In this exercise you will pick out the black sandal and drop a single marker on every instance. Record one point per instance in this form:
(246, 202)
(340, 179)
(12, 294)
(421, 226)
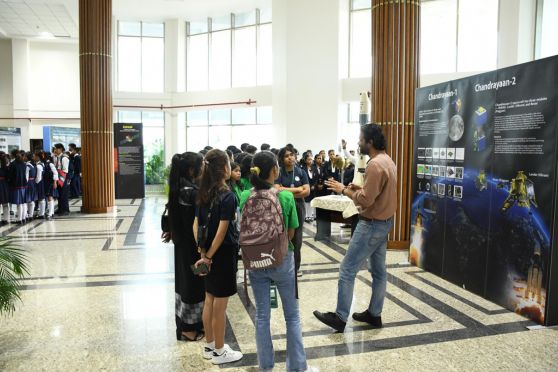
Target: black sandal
(198, 337)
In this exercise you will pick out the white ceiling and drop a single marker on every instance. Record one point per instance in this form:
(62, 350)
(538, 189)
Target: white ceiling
(30, 18)
(33, 18)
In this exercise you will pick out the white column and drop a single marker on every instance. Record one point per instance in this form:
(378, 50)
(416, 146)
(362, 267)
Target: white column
(306, 85)
(516, 32)
(174, 38)
(20, 77)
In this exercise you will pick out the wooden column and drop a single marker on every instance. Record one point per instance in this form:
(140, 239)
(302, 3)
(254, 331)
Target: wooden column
(395, 76)
(95, 63)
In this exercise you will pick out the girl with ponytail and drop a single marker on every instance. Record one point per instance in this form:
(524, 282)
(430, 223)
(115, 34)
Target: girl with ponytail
(264, 171)
(217, 235)
(188, 288)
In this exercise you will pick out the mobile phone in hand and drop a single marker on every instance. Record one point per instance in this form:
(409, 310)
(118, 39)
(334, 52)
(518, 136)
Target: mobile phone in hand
(201, 269)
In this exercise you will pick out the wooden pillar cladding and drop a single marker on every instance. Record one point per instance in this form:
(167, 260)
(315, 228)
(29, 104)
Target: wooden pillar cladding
(395, 76)
(95, 64)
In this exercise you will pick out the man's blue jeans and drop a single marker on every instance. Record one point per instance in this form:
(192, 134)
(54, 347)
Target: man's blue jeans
(284, 278)
(369, 241)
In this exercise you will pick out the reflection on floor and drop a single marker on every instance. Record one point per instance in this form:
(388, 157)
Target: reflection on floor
(100, 297)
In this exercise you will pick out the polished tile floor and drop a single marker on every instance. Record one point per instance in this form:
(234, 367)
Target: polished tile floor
(100, 297)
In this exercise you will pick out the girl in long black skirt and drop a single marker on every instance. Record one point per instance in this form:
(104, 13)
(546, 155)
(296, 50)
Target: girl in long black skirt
(189, 288)
(4, 189)
(17, 176)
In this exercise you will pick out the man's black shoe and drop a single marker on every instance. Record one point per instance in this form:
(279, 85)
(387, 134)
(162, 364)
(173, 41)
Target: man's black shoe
(331, 319)
(366, 317)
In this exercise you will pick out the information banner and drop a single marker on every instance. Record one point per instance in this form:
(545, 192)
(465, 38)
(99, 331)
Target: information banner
(484, 187)
(10, 139)
(128, 161)
(64, 135)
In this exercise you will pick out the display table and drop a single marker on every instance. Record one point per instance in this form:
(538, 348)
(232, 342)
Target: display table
(333, 208)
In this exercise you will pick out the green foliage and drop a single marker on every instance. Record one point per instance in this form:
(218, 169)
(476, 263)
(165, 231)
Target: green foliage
(166, 175)
(13, 267)
(155, 166)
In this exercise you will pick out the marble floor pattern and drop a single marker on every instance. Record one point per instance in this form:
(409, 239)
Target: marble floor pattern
(100, 298)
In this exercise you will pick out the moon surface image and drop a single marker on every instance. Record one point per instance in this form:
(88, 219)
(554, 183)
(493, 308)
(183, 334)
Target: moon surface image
(456, 128)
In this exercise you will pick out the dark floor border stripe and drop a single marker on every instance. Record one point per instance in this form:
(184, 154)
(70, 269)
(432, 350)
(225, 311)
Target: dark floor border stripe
(97, 275)
(320, 251)
(107, 244)
(106, 283)
(132, 232)
(393, 343)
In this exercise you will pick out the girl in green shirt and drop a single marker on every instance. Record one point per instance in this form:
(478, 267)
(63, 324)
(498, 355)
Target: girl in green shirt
(234, 182)
(265, 171)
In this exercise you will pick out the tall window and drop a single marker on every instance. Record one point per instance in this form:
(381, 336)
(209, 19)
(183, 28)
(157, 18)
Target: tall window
(141, 57)
(360, 34)
(458, 36)
(153, 141)
(220, 128)
(547, 29)
(350, 125)
(229, 51)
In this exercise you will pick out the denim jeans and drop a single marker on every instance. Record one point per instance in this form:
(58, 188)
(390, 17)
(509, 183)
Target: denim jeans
(284, 278)
(369, 241)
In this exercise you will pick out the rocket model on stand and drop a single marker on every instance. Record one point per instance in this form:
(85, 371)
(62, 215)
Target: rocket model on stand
(363, 119)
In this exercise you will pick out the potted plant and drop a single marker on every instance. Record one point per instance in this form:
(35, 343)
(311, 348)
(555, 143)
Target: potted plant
(13, 267)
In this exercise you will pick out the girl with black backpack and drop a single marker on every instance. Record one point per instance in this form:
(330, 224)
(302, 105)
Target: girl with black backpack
(217, 236)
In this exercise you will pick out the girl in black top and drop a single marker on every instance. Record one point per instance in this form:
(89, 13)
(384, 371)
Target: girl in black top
(307, 165)
(17, 178)
(217, 235)
(188, 288)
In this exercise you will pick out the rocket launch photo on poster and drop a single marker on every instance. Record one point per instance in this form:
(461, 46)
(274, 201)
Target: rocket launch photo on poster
(484, 185)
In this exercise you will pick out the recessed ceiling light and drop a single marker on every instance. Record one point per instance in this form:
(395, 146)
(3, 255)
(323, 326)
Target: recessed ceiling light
(46, 35)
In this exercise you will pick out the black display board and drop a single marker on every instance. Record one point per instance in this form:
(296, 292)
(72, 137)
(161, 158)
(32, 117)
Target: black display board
(484, 186)
(128, 161)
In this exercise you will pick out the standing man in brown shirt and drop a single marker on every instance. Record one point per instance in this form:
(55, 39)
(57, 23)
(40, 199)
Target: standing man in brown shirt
(376, 201)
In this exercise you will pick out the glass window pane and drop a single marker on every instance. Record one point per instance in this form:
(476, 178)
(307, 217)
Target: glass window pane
(221, 23)
(129, 28)
(197, 118)
(196, 138)
(436, 16)
(198, 27)
(361, 44)
(265, 64)
(244, 57)
(361, 4)
(129, 116)
(129, 64)
(245, 115)
(220, 70)
(153, 64)
(245, 19)
(549, 29)
(265, 15)
(264, 115)
(153, 118)
(354, 112)
(478, 35)
(197, 63)
(220, 137)
(257, 134)
(153, 29)
(220, 117)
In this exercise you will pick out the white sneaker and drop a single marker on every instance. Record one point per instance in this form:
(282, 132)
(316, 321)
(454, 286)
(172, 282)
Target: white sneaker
(208, 352)
(312, 369)
(228, 356)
